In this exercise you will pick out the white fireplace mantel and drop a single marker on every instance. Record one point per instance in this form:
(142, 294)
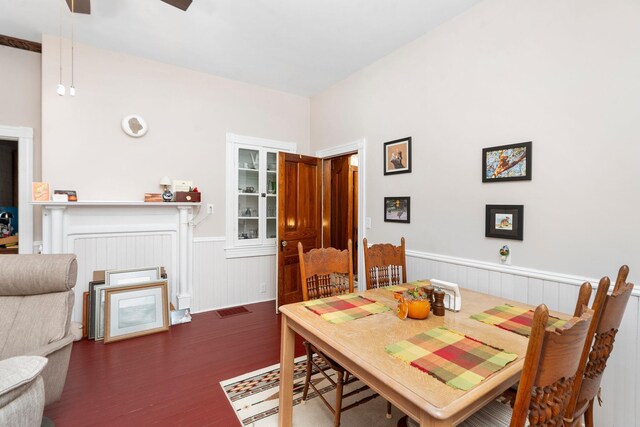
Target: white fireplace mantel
(68, 226)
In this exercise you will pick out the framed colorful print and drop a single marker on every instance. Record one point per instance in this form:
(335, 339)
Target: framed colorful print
(504, 221)
(507, 163)
(397, 156)
(397, 209)
(135, 310)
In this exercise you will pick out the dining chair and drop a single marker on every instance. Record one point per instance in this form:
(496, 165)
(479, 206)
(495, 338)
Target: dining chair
(385, 264)
(608, 312)
(324, 273)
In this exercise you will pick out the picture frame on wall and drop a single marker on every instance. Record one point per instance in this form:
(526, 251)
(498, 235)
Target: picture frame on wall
(504, 221)
(397, 156)
(507, 163)
(397, 209)
(136, 310)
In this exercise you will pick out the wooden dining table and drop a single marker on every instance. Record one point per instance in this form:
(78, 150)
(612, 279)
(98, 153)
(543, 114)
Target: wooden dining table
(359, 346)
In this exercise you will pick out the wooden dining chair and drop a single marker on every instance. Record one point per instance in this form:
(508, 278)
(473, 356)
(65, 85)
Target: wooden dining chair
(324, 273)
(550, 367)
(608, 312)
(385, 264)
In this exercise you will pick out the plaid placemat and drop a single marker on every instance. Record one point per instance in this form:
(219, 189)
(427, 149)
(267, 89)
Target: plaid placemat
(342, 308)
(453, 358)
(406, 286)
(514, 319)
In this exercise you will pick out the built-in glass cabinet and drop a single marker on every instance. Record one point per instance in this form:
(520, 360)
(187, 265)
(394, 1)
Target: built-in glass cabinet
(254, 195)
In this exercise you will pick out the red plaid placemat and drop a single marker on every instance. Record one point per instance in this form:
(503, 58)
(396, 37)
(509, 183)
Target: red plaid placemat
(514, 319)
(455, 359)
(343, 308)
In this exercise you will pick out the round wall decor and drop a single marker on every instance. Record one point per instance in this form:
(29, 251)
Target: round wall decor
(134, 125)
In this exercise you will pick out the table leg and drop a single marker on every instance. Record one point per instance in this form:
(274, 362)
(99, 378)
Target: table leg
(287, 346)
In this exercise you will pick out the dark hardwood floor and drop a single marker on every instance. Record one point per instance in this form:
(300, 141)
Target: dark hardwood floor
(168, 378)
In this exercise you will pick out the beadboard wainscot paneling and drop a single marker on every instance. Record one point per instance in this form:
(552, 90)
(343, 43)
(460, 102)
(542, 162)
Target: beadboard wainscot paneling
(219, 282)
(621, 382)
(122, 251)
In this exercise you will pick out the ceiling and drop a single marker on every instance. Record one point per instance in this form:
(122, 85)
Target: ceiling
(297, 46)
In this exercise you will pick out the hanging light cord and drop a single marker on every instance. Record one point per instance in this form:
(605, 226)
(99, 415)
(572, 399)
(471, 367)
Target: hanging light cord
(72, 39)
(61, 43)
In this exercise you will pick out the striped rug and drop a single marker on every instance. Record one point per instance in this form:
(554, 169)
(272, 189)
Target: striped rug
(254, 398)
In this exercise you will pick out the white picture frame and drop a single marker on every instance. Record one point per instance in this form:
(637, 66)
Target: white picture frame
(136, 310)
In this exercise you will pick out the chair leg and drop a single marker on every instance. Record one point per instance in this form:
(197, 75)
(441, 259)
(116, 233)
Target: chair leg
(588, 415)
(338, 408)
(389, 416)
(308, 377)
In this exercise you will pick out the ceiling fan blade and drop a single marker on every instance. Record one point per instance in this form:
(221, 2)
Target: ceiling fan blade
(80, 6)
(180, 4)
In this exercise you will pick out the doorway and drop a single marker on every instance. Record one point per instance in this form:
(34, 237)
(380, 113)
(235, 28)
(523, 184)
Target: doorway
(340, 204)
(9, 197)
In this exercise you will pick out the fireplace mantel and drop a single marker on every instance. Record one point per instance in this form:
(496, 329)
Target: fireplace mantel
(133, 229)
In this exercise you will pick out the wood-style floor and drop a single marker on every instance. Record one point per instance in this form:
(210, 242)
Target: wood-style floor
(168, 378)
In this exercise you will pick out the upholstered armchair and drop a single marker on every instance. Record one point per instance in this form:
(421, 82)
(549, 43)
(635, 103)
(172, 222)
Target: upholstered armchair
(21, 391)
(36, 299)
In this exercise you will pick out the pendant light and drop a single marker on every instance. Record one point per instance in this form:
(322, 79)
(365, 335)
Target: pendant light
(72, 89)
(60, 89)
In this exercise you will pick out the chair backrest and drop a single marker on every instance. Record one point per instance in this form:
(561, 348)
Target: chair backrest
(608, 312)
(384, 264)
(550, 367)
(325, 272)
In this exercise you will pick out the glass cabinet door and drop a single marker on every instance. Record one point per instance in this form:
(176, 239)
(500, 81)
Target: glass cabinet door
(271, 195)
(249, 195)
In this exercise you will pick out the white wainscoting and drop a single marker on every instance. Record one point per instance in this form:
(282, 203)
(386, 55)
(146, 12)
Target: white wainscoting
(226, 282)
(121, 251)
(621, 382)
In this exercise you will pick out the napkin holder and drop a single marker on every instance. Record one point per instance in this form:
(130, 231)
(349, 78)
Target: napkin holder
(452, 298)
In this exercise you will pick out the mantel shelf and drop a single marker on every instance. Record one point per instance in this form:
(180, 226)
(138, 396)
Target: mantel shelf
(93, 203)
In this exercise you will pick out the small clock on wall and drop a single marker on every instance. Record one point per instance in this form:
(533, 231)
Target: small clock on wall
(134, 125)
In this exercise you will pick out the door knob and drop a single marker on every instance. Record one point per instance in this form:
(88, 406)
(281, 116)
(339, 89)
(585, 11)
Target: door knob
(284, 243)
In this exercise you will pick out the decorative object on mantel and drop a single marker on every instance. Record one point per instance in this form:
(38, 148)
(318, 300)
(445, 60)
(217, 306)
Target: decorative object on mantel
(135, 126)
(193, 195)
(397, 209)
(152, 197)
(507, 163)
(397, 156)
(167, 195)
(40, 191)
(504, 221)
(72, 196)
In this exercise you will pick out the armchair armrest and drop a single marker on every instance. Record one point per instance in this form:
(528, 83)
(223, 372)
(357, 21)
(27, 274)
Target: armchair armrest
(51, 348)
(16, 372)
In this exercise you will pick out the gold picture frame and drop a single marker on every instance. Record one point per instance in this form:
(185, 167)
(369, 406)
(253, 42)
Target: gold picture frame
(136, 310)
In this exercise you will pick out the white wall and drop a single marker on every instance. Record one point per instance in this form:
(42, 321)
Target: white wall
(188, 114)
(561, 74)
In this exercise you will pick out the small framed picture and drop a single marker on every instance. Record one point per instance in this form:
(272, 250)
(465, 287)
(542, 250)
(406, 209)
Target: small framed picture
(131, 276)
(397, 209)
(504, 221)
(507, 163)
(132, 311)
(180, 316)
(397, 156)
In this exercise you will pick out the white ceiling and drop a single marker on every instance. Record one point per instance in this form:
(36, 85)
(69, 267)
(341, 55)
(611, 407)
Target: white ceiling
(297, 46)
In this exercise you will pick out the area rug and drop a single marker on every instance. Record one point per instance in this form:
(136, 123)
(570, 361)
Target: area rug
(254, 398)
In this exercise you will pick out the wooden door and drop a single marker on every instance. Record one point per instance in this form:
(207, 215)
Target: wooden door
(354, 216)
(299, 218)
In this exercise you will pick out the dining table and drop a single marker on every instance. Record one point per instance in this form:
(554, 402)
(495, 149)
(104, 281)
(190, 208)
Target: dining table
(361, 346)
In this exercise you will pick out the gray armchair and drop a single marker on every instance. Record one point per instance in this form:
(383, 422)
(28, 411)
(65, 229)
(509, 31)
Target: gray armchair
(21, 391)
(36, 300)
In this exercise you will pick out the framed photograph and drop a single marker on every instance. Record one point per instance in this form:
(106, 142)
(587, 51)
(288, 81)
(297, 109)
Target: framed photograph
(507, 163)
(131, 276)
(91, 315)
(397, 156)
(72, 196)
(397, 209)
(135, 310)
(504, 221)
(180, 316)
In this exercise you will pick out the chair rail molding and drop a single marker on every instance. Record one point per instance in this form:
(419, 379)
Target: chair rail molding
(114, 235)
